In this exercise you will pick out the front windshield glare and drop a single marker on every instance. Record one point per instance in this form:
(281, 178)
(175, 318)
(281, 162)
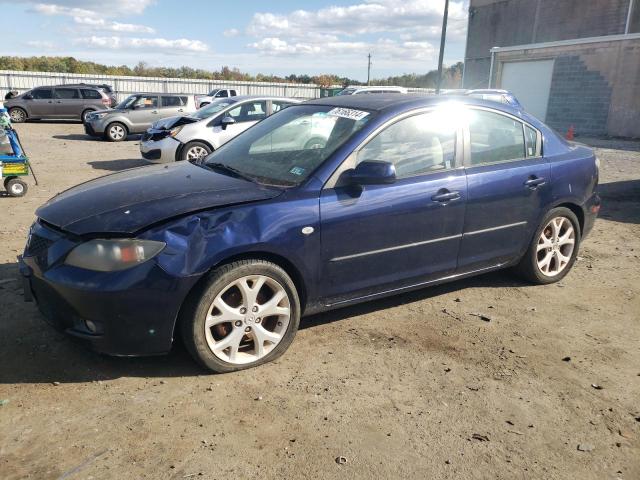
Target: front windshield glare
(211, 109)
(287, 147)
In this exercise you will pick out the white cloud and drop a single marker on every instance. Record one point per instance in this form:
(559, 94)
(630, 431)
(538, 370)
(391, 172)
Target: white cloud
(407, 31)
(232, 32)
(113, 8)
(165, 45)
(41, 44)
(102, 24)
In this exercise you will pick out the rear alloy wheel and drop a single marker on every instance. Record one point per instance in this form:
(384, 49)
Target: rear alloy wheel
(553, 249)
(116, 132)
(195, 151)
(16, 187)
(17, 115)
(246, 315)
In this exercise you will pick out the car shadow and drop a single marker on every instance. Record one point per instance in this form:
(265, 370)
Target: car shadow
(33, 352)
(86, 137)
(118, 165)
(620, 201)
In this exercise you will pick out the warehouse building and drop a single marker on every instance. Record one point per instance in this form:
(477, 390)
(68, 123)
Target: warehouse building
(570, 62)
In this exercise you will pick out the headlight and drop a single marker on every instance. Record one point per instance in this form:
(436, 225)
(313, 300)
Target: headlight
(113, 255)
(97, 116)
(175, 131)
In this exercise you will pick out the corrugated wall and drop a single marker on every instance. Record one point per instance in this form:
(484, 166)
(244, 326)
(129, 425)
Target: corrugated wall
(23, 81)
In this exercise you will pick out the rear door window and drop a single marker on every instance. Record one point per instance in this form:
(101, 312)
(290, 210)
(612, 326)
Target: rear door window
(67, 93)
(276, 106)
(91, 94)
(42, 94)
(495, 137)
(173, 101)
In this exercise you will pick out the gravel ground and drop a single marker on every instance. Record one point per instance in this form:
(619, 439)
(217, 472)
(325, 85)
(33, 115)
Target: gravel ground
(412, 386)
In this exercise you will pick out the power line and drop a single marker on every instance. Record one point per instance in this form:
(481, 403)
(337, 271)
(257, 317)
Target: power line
(442, 39)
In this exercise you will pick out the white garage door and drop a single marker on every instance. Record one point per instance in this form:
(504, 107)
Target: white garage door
(530, 83)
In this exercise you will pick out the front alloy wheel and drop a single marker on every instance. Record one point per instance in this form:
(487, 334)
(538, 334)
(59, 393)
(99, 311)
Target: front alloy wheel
(247, 314)
(116, 132)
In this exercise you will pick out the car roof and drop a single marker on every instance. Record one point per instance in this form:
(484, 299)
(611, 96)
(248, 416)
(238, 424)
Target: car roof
(388, 102)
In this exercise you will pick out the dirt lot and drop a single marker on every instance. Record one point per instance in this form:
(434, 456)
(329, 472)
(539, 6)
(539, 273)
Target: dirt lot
(409, 387)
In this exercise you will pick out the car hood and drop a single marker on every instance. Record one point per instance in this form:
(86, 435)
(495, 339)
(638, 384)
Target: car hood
(129, 201)
(172, 122)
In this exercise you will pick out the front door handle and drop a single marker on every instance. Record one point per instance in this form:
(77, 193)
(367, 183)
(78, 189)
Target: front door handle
(444, 196)
(534, 182)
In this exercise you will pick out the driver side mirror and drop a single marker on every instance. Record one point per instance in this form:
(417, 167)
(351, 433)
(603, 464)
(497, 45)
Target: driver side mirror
(373, 172)
(226, 121)
(28, 96)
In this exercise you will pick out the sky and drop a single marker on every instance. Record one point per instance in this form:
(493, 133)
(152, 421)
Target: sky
(278, 37)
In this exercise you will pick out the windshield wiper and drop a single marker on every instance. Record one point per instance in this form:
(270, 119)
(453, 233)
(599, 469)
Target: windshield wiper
(234, 171)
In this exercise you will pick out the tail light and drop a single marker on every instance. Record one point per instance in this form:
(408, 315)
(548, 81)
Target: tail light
(106, 101)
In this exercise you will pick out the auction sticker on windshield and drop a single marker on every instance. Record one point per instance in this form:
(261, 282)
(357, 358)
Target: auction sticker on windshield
(348, 113)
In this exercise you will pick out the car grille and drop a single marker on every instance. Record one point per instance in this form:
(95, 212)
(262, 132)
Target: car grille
(38, 246)
(154, 135)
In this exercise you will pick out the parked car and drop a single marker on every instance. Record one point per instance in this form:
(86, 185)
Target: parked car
(107, 89)
(229, 252)
(366, 90)
(136, 113)
(59, 102)
(494, 95)
(204, 100)
(197, 135)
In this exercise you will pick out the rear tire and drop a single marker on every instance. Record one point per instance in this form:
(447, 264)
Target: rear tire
(18, 115)
(16, 187)
(115, 132)
(226, 324)
(195, 151)
(553, 249)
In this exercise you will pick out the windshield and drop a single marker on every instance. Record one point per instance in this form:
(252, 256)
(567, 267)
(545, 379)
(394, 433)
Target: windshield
(127, 102)
(213, 108)
(285, 148)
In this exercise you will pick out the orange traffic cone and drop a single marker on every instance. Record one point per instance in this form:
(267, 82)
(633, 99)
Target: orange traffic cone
(570, 133)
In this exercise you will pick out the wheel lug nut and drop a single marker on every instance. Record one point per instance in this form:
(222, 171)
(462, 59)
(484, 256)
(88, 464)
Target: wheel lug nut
(255, 309)
(258, 320)
(279, 324)
(243, 310)
(238, 323)
(248, 329)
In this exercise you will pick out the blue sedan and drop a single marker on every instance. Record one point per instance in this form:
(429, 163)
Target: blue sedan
(324, 204)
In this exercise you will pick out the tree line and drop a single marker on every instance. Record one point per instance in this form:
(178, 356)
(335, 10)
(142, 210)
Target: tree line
(452, 76)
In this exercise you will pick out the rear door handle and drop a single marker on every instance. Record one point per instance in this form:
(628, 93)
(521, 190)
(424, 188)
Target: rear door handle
(446, 196)
(534, 182)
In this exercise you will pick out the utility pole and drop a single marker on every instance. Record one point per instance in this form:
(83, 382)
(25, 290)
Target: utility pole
(369, 69)
(442, 39)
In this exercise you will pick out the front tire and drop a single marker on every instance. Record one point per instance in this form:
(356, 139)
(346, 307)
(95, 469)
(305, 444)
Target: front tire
(246, 314)
(83, 117)
(18, 115)
(195, 151)
(16, 187)
(115, 132)
(554, 248)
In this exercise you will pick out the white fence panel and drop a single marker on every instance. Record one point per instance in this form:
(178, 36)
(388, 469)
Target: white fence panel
(124, 86)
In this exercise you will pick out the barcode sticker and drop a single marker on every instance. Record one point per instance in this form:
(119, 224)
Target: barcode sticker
(348, 113)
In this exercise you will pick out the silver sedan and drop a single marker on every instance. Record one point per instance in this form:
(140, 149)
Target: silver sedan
(197, 135)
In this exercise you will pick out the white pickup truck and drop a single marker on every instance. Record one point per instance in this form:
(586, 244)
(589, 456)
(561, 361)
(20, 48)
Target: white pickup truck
(203, 100)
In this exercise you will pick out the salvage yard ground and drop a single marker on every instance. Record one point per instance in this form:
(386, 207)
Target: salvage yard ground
(546, 385)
